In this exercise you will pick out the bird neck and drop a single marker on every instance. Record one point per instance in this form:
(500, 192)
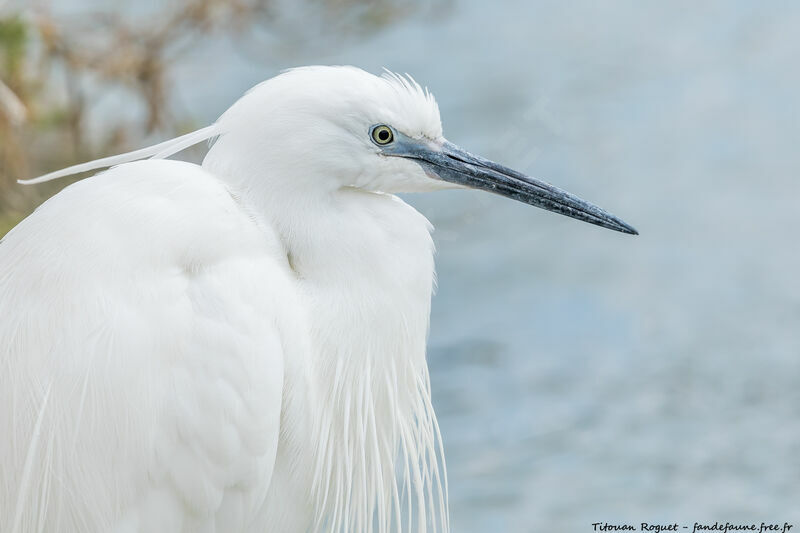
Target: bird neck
(364, 268)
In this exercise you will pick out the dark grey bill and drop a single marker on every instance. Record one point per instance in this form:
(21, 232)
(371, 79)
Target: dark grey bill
(450, 163)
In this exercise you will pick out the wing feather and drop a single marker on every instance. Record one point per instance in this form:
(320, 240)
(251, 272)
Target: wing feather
(141, 356)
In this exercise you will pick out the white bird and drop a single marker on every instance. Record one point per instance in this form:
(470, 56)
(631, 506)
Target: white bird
(240, 345)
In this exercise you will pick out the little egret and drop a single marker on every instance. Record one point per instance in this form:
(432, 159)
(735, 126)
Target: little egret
(240, 345)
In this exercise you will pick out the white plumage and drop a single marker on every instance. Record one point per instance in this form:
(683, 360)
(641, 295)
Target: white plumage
(239, 346)
(178, 348)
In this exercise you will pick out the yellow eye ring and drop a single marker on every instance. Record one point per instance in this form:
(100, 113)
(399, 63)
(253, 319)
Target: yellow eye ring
(382, 135)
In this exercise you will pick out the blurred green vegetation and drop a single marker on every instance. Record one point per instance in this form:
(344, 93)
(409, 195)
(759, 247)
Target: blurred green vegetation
(46, 60)
(13, 38)
(6, 223)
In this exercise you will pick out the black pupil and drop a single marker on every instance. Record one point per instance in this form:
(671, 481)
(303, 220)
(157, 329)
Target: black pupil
(383, 135)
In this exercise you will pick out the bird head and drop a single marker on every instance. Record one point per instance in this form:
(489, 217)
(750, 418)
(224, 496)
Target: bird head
(314, 130)
(333, 127)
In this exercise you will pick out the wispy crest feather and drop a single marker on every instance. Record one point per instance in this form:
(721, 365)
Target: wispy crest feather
(412, 95)
(161, 150)
(408, 83)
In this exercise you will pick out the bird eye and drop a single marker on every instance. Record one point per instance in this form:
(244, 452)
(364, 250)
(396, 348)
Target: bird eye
(382, 134)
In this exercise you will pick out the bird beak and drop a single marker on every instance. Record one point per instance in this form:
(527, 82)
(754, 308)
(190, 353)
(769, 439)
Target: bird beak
(446, 161)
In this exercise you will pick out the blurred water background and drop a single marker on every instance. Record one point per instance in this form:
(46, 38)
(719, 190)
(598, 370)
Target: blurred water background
(581, 375)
